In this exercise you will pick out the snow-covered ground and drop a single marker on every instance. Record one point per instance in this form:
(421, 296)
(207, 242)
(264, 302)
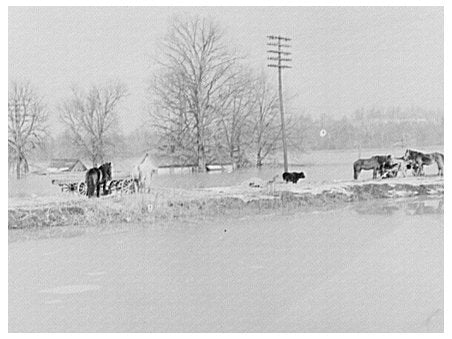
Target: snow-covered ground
(251, 186)
(252, 195)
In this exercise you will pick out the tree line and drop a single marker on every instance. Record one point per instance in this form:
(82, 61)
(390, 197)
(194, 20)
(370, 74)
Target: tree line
(205, 106)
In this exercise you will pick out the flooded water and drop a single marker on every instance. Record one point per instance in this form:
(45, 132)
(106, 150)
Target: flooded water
(319, 167)
(374, 267)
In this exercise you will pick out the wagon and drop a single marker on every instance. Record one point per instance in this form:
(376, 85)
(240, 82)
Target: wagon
(125, 185)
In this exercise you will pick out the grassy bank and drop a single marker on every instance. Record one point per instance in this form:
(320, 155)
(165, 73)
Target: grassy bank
(243, 199)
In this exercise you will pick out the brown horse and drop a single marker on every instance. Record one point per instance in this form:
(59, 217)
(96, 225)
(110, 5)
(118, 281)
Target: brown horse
(420, 159)
(375, 163)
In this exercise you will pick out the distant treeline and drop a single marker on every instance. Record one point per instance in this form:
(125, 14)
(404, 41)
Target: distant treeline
(372, 128)
(365, 128)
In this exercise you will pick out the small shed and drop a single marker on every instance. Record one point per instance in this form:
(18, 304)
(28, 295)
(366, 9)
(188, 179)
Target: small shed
(169, 164)
(66, 165)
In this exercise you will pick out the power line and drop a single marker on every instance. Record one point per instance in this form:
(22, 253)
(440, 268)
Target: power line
(276, 40)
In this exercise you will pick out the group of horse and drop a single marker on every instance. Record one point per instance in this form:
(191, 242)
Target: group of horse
(97, 177)
(388, 166)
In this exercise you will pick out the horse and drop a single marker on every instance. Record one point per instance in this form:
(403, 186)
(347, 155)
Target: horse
(143, 173)
(405, 165)
(397, 165)
(420, 159)
(375, 163)
(391, 170)
(97, 176)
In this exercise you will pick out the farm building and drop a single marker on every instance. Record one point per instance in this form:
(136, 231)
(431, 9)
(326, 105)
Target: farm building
(168, 164)
(66, 165)
(187, 169)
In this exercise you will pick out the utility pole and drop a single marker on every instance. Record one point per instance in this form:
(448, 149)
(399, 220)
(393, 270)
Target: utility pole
(277, 41)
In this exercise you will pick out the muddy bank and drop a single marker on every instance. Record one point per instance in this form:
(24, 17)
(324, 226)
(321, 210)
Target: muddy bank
(253, 196)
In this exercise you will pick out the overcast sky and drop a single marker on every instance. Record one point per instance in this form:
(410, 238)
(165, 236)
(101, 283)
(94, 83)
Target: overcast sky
(344, 58)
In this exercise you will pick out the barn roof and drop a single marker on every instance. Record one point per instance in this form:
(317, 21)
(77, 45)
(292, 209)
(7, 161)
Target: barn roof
(68, 164)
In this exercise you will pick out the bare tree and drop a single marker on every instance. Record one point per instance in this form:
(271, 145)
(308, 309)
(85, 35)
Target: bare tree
(91, 118)
(195, 67)
(267, 127)
(26, 125)
(235, 120)
(174, 124)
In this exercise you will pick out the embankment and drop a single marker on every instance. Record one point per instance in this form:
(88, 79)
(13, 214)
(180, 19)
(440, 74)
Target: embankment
(253, 196)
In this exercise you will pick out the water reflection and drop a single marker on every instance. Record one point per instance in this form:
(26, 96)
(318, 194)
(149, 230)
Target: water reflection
(410, 207)
(426, 207)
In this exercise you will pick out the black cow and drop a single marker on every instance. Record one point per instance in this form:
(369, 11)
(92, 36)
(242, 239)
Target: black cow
(292, 176)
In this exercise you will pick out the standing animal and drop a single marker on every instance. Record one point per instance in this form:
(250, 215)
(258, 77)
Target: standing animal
(420, 159)
(271, 184)
(293, 176)
(390, 170)
(375, 163)
(95, 177)
(406, 165)
(143, 173)
(398, 165)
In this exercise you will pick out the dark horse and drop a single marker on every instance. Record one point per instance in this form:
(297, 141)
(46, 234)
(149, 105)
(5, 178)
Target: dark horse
(96, 177)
